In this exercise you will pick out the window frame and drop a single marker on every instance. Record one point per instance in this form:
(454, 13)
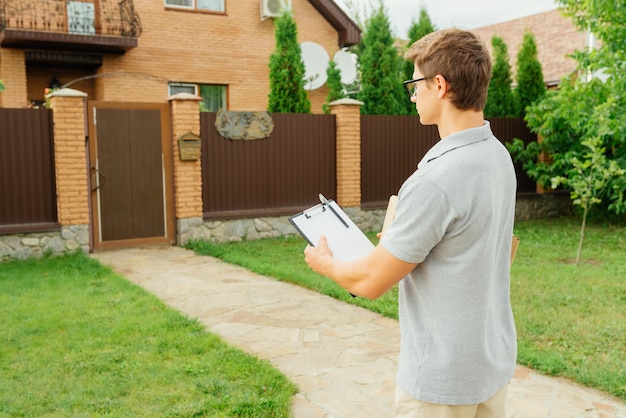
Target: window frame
(197, 90)
(194, 8)
(170, 85)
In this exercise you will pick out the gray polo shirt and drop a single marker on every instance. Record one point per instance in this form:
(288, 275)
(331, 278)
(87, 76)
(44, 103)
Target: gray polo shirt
(455, 218)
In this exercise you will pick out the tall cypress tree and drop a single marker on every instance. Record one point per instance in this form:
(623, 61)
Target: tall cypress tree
(501, 97)
(287, 93)
(418, 29)
(335, 87)
(381, 85)
(530, 85)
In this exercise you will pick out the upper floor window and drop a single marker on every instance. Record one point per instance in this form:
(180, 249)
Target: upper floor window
(209, 5)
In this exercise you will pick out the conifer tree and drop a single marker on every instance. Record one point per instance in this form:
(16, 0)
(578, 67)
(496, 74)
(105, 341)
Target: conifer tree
(501, 99)
(335, 87)
(418, 29)
(381, 89)
(530, 85)
(287, 93)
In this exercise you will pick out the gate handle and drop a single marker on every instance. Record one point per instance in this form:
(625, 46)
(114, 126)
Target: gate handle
(99, 181)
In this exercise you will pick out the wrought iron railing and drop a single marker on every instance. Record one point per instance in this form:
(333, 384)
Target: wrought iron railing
(111, 17)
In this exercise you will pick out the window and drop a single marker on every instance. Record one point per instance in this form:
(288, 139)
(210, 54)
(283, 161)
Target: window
(213, 95)
(175, 88)
(211, 5)
(80, 17)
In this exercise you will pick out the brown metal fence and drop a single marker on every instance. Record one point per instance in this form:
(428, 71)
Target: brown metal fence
(274, 176)
(281, 174)
(391, 147)
(27, 184)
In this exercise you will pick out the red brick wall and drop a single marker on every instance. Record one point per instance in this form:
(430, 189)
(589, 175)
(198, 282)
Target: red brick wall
(69, 155)
(13, 75)
(205, 48)
(187, 174)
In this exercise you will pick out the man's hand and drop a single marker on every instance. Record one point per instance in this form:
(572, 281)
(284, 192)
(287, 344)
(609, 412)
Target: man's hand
(319, 258)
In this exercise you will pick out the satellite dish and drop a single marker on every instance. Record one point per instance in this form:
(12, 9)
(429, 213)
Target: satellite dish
(345, 62)
(315, 63)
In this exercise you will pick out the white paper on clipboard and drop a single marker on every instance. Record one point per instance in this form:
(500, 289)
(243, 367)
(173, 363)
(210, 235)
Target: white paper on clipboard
(345, 239)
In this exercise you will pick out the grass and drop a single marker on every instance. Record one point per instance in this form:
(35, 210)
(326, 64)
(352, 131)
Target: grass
(571, 320)
(78, 340)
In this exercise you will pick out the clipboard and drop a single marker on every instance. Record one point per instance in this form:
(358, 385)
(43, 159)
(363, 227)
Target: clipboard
(345, 239)
(390, 214)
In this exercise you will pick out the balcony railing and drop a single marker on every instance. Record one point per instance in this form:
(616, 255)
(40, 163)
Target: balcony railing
(28, 22)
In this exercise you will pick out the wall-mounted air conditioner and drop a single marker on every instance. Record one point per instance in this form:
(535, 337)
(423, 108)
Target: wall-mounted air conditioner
(274, 8)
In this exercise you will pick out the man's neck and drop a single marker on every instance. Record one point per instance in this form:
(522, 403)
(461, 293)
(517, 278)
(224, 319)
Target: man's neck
(454, 120)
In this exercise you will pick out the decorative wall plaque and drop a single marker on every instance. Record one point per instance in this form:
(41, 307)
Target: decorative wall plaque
(244, 125)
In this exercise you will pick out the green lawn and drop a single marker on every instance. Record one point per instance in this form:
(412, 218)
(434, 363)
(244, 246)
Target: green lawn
(77, 340)
(571, 319)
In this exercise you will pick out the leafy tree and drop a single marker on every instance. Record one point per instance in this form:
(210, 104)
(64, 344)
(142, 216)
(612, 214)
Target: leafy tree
(1, 86)
(417, 30)
(530, 85)
(287, 93)
(500, 98)
(379, 62)
(587, 179)
(335, 87)
(583, 123)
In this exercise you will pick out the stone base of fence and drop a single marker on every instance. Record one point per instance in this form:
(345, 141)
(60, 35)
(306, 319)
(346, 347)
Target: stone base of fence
(537, 206)
(36, 245)
(76, 237)
(528, 207)
(191, 229)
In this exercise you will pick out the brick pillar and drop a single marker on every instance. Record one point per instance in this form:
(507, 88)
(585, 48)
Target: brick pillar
(13, 75)
(70, 156)
(348, 120)
(185, 112)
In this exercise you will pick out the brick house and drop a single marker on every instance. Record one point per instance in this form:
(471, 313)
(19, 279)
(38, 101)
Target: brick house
(555, 36)
(104, 167)
(147, 50)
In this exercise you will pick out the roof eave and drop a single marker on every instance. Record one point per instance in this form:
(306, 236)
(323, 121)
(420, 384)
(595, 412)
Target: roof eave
(348, 31)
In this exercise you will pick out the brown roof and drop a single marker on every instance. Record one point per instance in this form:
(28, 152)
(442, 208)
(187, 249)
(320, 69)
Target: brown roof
(555, 36)
(349, 32)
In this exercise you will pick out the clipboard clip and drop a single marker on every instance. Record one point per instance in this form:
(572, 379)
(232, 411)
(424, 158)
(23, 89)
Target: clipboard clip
(309, 213)
(325, 203)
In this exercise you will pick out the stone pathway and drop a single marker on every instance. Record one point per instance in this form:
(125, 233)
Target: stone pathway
(342, 357)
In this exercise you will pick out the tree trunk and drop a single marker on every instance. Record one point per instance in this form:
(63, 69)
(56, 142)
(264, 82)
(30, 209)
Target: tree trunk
(582, 234)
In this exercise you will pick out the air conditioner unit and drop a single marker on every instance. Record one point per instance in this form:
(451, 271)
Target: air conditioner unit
(274, 8)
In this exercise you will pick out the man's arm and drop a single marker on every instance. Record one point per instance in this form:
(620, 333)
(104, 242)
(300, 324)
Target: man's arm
(369, 277)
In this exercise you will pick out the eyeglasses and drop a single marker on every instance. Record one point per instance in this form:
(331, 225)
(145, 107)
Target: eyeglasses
(411, 85)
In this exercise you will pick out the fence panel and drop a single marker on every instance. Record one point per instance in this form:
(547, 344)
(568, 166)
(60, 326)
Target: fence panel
(392, 146)
(281, 174)
(27, 183)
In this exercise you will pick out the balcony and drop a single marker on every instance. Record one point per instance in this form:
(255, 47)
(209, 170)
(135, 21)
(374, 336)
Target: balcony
(97, 26)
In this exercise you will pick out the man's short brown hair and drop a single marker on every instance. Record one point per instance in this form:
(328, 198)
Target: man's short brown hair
(461, 58)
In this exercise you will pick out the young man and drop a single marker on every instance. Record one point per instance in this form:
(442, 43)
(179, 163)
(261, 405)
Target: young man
(449, 245)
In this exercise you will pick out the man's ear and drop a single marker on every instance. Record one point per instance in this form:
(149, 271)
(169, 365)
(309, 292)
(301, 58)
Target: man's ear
(442, 86)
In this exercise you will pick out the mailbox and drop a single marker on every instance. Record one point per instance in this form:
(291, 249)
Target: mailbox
(189, 146)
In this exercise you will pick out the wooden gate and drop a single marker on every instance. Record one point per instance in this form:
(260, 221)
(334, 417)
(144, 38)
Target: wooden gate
(131, 174)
